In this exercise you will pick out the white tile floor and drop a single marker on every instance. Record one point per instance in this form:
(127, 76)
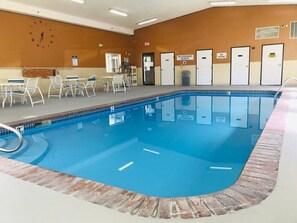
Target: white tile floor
(24, 202)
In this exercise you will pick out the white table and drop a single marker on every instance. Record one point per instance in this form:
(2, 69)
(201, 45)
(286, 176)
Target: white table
(73, 83)
(107, 80)
(8, 88)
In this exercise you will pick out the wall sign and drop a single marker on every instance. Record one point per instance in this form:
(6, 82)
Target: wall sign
(272, 55)
(146, 43)
(185, 57)
(221, 55)
(74, 61)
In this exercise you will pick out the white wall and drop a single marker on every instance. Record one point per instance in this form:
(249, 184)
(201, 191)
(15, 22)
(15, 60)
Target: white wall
(221, 73)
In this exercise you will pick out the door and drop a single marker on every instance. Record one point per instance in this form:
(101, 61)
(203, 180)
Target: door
(148, 68)
(204, 67)
(240, 65)
(272, 64)
(167, 69)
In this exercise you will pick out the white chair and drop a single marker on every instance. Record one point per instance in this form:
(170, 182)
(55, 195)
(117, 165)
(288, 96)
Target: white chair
(30, 89)
(118, 83)
(91, 84)
(57, 85)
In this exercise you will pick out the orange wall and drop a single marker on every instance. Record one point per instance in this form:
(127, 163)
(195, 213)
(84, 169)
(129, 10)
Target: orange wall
(18, 49)
(216, 28)
(219, 29)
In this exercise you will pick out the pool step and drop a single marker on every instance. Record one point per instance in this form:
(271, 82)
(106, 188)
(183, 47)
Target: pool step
(33, 149)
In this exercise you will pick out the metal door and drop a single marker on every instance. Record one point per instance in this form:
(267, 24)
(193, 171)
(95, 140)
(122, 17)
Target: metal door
(204, 67)
(148, 68)
(240, 65)
(272, 64)
(167, 69)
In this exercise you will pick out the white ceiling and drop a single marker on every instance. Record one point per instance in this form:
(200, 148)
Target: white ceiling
(95, 13)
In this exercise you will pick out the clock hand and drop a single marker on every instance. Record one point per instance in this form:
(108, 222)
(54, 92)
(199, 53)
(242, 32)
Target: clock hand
(41, 36)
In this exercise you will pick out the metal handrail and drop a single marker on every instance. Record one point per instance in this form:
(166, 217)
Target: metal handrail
(281, 87)
(19, 136)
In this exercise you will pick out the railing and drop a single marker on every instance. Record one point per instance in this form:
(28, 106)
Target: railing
(19, 136)
(281, 87)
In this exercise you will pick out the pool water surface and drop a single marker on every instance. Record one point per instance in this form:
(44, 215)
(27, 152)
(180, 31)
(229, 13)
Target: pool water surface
(181, 145)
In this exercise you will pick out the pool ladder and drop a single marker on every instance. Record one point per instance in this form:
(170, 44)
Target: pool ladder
(281, 87)
(19, 135)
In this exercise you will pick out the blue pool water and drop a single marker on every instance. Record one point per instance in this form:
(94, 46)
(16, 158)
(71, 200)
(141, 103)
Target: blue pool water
(181, 145)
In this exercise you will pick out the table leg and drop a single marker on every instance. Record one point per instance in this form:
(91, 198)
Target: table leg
(5, 97)
(107, 85)
(10, 92)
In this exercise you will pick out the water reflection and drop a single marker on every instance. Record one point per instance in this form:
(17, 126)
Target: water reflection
(235, 111)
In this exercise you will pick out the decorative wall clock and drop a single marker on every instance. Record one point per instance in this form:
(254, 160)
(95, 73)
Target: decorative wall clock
(41, 34)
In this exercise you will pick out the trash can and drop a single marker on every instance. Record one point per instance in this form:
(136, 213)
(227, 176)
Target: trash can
(186, 77)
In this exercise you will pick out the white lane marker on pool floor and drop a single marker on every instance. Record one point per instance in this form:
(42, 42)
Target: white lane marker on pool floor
(220, 168)
(125, 166)
(151, 151)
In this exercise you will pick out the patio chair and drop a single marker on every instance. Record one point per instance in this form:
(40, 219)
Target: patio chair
(57, 85)
(29, 90)
(91, 84)
(118, 83)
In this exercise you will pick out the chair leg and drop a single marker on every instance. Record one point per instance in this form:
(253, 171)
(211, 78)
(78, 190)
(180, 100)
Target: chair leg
(24, 99)
(60, 92)
(124, 86)
(87, 93)
(94, 92)
(41, 95)
(49, 91)
(32, 104)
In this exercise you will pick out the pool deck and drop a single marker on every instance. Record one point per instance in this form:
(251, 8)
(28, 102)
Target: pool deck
(265, 192)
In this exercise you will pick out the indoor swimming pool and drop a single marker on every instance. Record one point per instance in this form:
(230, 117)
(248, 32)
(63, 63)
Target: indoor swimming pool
(184, 144)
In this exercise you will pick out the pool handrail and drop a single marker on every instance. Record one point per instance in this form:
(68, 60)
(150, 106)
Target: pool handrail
(281, 87)
(19, 135)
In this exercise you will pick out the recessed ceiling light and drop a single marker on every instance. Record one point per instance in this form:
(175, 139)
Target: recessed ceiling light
(222, 3)
(118, 12)
(147, 21)
(79, 1)
(283, 1)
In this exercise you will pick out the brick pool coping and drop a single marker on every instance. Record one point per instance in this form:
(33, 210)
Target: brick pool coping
(255, 183)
